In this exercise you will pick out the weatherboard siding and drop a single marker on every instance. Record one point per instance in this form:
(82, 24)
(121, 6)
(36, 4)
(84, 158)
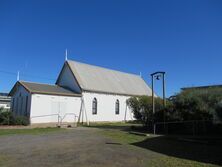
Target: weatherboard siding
(45, 108)
(106, 107)
(21, 102)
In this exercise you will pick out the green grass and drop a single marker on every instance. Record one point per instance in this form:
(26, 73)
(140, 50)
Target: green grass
(3, 159)
(168, 161)
(159, 148)
(111, 124)
(122, 136)
(34, 131)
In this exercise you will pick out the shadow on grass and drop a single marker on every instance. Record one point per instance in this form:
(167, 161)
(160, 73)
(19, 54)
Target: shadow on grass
(121, 126)
(110, 127)
(112, 143)
(206, 153)
(205, 150)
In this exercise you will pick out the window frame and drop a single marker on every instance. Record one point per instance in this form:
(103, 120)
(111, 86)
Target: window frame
(94, 106)
(117, 107)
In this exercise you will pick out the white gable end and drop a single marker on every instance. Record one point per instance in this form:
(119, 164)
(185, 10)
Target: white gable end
(67, 80)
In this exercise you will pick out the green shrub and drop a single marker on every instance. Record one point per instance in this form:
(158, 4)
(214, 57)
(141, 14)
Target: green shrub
(190, 104)
(7, 118)
(143, 110)
(199, 104)
(218, 109)
(21, 120)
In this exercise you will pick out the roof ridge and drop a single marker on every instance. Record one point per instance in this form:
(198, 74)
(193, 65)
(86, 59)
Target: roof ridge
(42, 88)
(38, 83)
(106, 68)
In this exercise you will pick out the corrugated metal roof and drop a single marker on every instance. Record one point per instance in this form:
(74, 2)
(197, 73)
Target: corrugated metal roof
(94, 78)
(47, 89)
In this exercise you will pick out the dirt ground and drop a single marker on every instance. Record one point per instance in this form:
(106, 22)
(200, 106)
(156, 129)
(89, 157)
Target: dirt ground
(83, 147)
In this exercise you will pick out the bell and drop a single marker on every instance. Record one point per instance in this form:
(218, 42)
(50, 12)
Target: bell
(157, 77)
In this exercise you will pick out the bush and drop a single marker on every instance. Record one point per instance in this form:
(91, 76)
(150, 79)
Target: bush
(218, 109)
(190, 104)
(7, 118)
(20, 120)
(199, 104)
(143, 110)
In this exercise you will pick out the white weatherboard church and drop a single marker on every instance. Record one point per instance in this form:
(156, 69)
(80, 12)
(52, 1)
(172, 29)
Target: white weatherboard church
(82, 93)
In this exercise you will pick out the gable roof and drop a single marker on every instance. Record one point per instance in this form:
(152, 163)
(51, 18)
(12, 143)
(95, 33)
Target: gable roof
(43, 89)
(97, 79)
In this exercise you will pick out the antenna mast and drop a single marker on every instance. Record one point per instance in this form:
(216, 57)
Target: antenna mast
(66, 55)
(18, 76)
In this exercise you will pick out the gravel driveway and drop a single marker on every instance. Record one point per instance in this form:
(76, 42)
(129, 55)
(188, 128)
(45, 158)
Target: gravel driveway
(83, 147)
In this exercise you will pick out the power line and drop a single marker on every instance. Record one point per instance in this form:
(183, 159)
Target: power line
(26, 75)
(34, 76)
(7, 72)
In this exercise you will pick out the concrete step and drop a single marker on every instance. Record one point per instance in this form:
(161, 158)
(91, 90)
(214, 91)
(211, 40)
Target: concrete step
(67, 125)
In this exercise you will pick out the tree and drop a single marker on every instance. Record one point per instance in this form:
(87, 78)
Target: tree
(7, 118)
(190, 104)
(143, 110)
(219, 110)
(198, 104)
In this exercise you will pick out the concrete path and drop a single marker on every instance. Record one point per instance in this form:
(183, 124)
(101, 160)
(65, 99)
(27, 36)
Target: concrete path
(82, 147)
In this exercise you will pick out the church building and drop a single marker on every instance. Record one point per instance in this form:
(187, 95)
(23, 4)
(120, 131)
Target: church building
(82, 92)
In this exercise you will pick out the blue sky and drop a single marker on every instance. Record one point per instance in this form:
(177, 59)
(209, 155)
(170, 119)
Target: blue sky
(183, 38)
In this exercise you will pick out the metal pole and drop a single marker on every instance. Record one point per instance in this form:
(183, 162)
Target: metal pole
(164, 91)
(153, 101)
(158, 74)
(154, 129)
(82, 117)
(164, 102)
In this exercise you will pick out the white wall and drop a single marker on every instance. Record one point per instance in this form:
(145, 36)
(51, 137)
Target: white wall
(4, 105)
(20, 103)
(106, 107)
(43, 106)
(68, 81)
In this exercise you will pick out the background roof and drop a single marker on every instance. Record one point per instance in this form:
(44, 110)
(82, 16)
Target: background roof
(45, 89)
(94, 78)
(202, 87)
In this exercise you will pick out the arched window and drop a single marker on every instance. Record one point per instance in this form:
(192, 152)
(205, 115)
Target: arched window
(94, 106)
(117, 107)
